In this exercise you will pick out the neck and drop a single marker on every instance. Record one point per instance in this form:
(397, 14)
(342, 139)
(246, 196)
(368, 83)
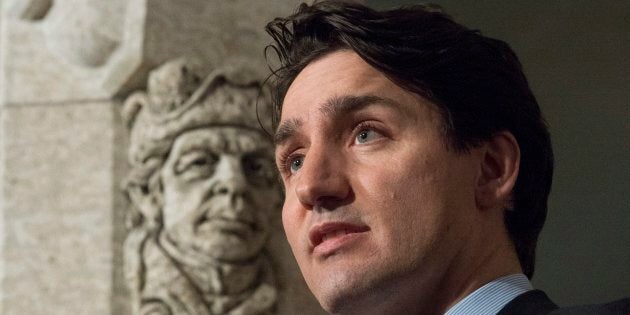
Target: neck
(489, 256)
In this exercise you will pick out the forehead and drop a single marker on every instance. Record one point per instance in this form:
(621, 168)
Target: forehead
(339, 74)
(231, 140)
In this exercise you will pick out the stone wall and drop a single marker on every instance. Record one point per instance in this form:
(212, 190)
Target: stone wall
(66, 68)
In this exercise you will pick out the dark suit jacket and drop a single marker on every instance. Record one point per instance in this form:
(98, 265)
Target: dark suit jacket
(536, 302)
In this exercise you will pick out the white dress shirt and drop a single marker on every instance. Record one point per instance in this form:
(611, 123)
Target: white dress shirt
(493, 296)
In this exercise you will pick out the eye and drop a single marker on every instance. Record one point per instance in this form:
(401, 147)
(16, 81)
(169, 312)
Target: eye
(290, 162)
(366, 135)
(296, 163)
(202, 161)
(197, 162)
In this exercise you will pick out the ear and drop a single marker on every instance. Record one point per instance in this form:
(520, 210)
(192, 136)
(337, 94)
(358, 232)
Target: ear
(498, 172)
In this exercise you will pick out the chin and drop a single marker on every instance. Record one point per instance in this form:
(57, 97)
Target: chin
(346, 293)
(348, 301)
(229, 248)
(364, 290)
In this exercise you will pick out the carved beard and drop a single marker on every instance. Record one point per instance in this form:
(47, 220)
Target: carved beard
(213, 276)
(218, 288)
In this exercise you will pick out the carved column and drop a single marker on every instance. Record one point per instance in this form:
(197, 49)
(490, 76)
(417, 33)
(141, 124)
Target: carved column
(66, 68)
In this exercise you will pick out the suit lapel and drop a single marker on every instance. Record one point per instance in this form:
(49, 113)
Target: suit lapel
(531, 303)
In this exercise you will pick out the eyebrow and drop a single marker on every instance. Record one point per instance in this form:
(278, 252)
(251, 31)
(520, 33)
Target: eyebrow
(286, 130)
(333, 107)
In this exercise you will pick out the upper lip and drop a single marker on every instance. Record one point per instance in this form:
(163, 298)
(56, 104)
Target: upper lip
(317, 232)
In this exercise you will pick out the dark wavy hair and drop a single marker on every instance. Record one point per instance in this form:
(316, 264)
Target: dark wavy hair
(476, 81)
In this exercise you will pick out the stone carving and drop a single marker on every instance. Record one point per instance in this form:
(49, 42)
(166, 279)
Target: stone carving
(81, 32)
(84, 32)
(203, 192)
(30, 10)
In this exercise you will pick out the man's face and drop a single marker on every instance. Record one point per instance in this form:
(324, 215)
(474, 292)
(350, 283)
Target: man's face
(220, 192)
(376, 205)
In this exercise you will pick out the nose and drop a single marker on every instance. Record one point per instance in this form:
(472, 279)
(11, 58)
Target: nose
(229, 177)
(322, 183)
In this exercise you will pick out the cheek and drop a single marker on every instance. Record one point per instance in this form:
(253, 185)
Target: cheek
(182, 199)
(406, 196)
(177, 211)
(291, 222)
(185, 197)
(396, 182)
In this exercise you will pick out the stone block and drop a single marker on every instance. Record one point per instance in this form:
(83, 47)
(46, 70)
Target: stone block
(58, 194)
(68, 49)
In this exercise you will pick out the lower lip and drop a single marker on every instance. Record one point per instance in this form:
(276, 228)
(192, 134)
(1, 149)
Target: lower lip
(333, 245)
(233, 227)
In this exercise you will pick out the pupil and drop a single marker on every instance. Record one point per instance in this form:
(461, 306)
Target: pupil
(297, 164)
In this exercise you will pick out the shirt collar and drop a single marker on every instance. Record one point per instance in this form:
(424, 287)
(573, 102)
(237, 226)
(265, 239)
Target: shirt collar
(493, 296)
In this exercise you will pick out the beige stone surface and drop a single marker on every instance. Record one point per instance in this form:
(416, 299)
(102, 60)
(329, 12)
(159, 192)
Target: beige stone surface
(77, 50)
(58, 193)
(96, 49)
(217, 32)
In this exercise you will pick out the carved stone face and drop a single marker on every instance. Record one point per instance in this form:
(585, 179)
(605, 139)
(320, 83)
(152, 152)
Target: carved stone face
(219, 192)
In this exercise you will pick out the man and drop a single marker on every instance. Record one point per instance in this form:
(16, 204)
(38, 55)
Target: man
(204, 194)
(415, 162)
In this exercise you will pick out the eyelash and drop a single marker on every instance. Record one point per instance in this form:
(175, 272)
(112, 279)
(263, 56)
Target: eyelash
(285, 162)
(286, 159)
(364, 125)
